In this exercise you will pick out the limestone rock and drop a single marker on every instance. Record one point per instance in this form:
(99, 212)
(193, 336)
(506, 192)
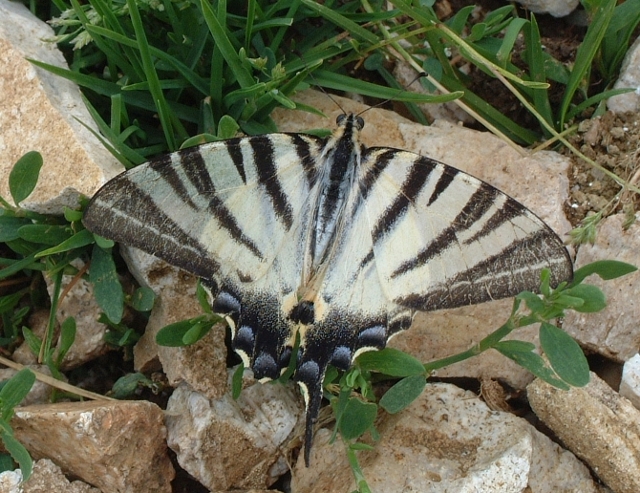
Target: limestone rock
(556, 8)
(447, 440)
(42, 112)
(228, 444)
(629, 77)
(202, 365)
(40, 392)
(117, 446)
(439, 334)
(612, 332)
(597, 425)
(47, 478)
(630, 384)
(80, 303)
(11, 481)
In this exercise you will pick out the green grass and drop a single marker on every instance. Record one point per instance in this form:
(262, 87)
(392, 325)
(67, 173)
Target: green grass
(158, 76)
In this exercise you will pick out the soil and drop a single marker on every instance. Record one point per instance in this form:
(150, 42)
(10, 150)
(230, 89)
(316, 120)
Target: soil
(609, 140)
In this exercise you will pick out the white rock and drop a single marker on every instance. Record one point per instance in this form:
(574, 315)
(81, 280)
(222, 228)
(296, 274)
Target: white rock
(48, 477)
(598, 425)
(556, 8)
(448, 440)
(439, 334)
(40, 392)
(630, 384)
(227, 444)
(117, 446)
(80, 303)
(202, 365)
(42, 112)
(612, 332)
(11, 481)
(629, 77)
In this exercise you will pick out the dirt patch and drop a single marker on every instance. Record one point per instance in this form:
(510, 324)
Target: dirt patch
(611, 141)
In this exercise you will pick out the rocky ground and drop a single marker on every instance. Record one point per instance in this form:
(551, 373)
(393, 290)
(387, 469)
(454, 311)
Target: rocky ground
(190, 436)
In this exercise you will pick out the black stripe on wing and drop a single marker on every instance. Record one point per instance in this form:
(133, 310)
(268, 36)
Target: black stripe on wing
(415, 180)
(308, 156)
(235, 153)
(124, 213)
(501, 275)
(264, 157)
(477, 205)
(197, 172)
(169, 173)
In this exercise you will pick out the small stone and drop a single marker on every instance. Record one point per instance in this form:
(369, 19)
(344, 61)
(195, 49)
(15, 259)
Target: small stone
(202, 365)
(629, 78)
(630, 384)
(226, 443)
(617, 132)
(80, 303)
(40, 392)
(47, 478)
(612, 332)
(592, 130)
(556, 8)
(11, 482)
(117, 446)
(596, 424)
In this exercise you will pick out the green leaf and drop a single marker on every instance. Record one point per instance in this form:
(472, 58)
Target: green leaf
(592, 297)
(67, 338)
(103, 242)
(197, 332)
(143, 299)
(227, 127)
(32, 340)
(606, 269)
(44, 234)
(174, 335)
(107, 288)
(403, 393)
(203, 298)
(17, 451)
(78, 240)
(24, 176)
(9, 302)
(357, 418)
(9, 227)
(391, 362)
(236, 381)
(127, 385)
(72, 215)
(14, 391)
(531, 361)
(533, 301)
(565, 355)
(6, 463)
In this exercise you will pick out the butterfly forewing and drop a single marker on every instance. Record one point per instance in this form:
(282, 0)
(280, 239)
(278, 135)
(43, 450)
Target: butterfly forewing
(325, 238)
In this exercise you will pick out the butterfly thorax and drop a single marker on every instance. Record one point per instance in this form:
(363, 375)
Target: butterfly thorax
(342, 157)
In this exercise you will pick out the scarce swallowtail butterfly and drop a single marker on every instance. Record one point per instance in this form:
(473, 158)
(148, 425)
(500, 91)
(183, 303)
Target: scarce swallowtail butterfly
(325, 238)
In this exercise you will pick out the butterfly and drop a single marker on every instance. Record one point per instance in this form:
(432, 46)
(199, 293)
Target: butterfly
(327, 240)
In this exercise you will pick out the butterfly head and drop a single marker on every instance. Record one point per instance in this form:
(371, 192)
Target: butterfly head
(350, 120)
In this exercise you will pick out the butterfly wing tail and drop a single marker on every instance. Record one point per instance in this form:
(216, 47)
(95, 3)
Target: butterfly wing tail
(310, 377)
